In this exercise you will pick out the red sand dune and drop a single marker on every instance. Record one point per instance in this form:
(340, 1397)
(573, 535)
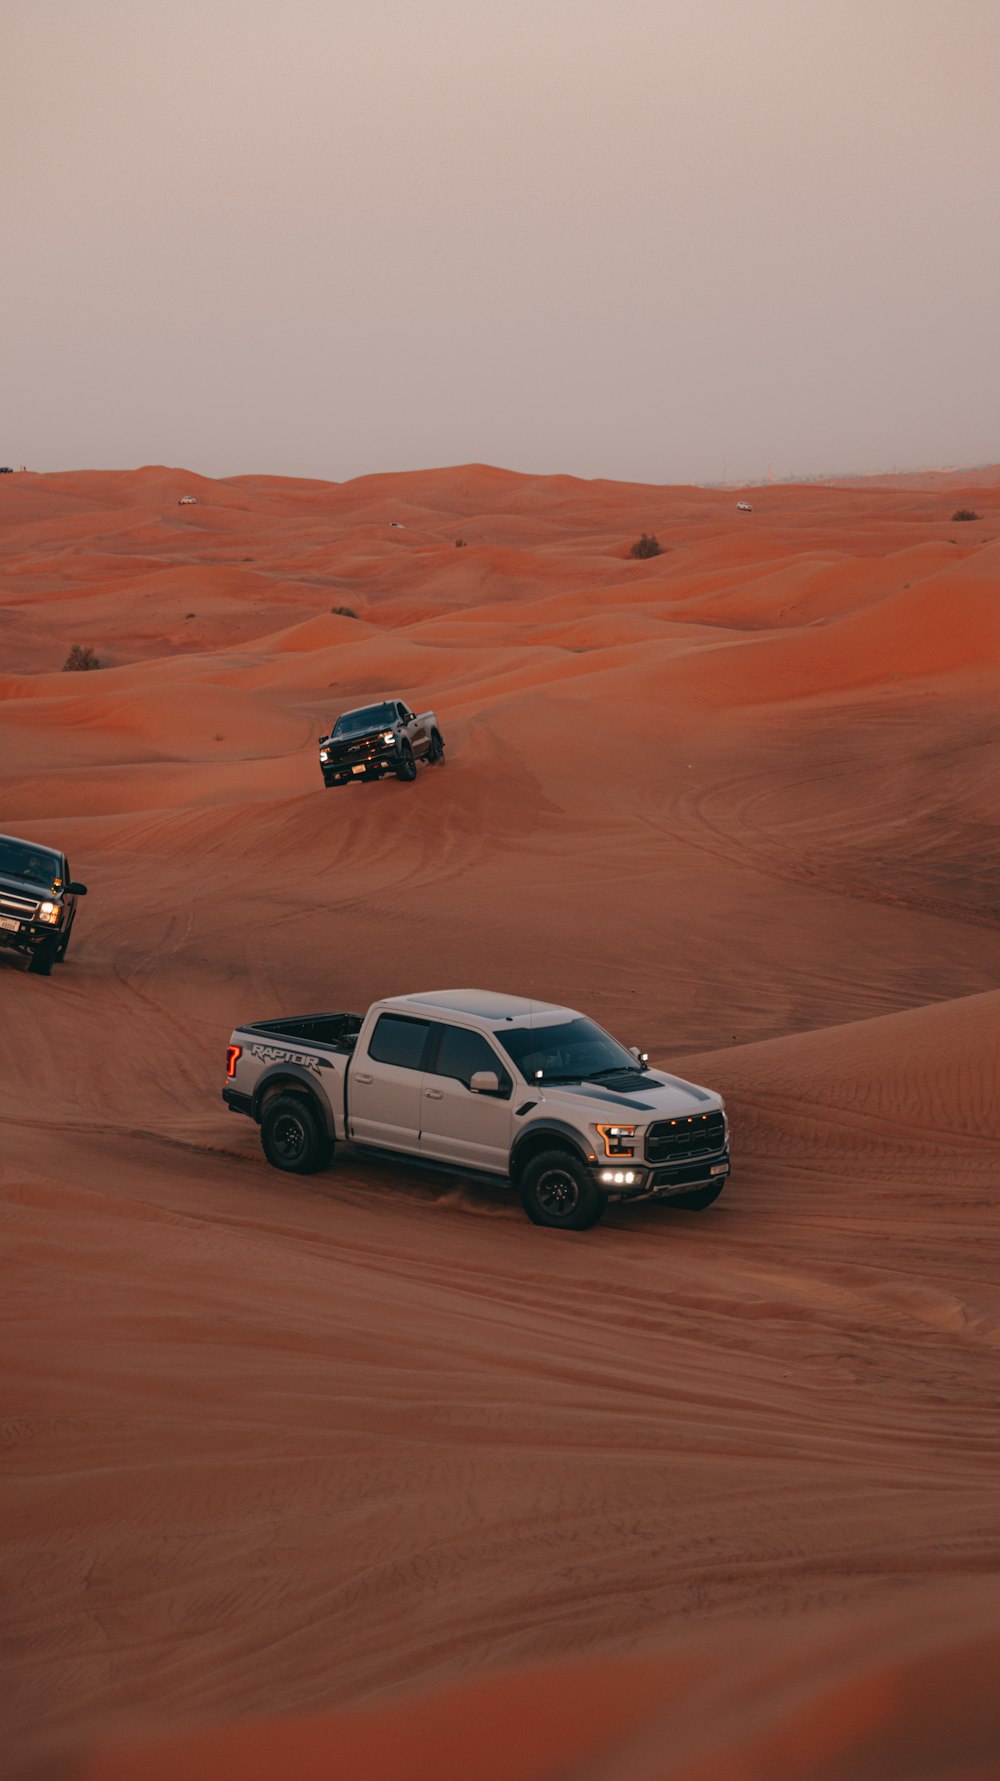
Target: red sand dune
(364, 1474)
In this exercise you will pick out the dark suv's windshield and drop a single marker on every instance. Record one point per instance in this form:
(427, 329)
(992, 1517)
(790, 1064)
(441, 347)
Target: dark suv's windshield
(370, 717)
(20, 860)
(571, 1051)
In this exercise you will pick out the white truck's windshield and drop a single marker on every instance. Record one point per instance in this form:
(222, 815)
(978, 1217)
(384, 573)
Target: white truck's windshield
(569, 1051)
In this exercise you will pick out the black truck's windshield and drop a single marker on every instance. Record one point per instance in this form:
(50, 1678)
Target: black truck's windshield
(370, 717)
(20, 860)
(569, 1051)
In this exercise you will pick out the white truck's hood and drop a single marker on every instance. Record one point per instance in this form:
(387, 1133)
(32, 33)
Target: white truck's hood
(662, 1097)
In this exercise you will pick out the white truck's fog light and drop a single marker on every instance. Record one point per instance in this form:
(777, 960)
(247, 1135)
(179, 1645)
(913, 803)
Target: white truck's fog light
(629, 1178)
(607, 1174)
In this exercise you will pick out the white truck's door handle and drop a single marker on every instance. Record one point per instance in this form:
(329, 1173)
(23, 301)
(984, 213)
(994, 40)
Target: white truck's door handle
(433, 1094)
(364, 1078)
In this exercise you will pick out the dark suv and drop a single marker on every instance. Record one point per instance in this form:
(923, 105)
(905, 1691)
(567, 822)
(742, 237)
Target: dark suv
(37, 902)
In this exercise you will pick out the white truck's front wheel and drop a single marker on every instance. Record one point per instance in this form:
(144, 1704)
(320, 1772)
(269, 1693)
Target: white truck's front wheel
(558, 1191)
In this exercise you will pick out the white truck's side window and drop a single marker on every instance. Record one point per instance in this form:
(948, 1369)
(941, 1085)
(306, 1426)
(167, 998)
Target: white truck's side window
(397, 1040)
(461, 1053)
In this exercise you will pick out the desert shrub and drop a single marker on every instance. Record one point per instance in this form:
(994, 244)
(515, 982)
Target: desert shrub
(459, 543)
(648, 545)
(80, 659)
(964, 513)
(344, 611)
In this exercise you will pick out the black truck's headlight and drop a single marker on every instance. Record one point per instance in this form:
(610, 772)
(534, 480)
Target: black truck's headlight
(388, 735)
(324, 754)
(49, 912)
(617, 1139)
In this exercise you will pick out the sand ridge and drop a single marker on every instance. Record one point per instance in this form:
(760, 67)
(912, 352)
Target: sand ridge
(305, 1449)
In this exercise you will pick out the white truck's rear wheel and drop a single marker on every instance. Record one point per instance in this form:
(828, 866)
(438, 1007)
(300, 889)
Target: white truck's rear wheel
(293, 1137)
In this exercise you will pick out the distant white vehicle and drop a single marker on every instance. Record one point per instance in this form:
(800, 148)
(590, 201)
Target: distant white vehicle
(187, 501)
(743, 507)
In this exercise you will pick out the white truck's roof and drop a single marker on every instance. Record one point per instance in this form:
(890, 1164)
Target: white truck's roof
(487, 1006)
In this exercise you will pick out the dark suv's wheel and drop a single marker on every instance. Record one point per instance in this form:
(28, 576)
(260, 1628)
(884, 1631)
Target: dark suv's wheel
(407, 767)
(43, 958)
(293, 1136)
(436, 751)
(698, 1198)
(558, 1191)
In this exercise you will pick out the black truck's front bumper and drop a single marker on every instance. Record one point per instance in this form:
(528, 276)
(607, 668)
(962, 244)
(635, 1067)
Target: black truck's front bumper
(30, 935)
(374, 766)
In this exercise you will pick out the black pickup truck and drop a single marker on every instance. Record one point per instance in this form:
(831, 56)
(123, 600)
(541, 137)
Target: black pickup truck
(37, 902)
(374, 740)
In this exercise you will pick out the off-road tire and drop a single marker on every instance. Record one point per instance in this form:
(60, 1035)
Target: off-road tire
(293, 1137)
(43, 958)
(407, 767)
(558, 1191)
(699, 1199)
(436, 751)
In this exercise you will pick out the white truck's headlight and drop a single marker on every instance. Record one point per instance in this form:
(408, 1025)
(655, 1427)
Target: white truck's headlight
(388, 735)
(49, 912)
(324, 754)
(617, 1139)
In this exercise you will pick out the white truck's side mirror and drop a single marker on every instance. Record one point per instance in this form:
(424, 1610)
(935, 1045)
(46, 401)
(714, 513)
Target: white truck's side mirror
(485, 1082)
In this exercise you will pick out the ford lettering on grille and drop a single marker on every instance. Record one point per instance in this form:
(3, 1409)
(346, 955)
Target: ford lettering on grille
(698, 1134)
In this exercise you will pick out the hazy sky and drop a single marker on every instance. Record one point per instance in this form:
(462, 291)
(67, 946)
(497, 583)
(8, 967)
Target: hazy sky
(668, 240)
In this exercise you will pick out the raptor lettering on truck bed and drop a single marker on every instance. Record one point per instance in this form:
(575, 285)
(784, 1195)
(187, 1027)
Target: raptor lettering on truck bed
(490, 1085)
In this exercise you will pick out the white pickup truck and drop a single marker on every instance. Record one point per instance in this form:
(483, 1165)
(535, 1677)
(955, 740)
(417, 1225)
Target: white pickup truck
(486, 1084)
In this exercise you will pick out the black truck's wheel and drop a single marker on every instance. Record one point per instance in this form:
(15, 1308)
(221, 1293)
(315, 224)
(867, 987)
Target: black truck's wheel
(698, 1199)
(43, 958)
(556, 1190)
(293, 1136)
(407, 767)
(436, 751)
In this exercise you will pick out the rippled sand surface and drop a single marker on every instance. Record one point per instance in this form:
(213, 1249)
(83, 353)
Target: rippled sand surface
(363, 1474)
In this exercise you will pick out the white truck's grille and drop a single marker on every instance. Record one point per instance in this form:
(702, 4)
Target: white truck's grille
(673, 1140)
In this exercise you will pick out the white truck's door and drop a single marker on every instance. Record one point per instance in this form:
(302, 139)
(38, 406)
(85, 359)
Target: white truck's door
(457, 1125)
(383, 1086)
